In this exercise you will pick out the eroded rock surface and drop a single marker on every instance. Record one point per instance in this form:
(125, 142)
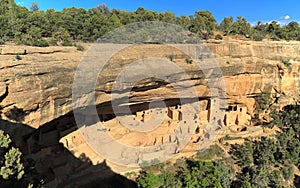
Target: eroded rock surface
(39, 86)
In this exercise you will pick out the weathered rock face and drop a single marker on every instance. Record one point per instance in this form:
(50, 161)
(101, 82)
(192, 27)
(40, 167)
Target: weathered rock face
(37, 89)
(258, 66)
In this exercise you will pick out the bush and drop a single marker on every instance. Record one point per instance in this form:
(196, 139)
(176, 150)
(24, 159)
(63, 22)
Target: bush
(18, 57)
(34, 43)
(263, 101)
(80, 47)
(24, 39)
(210, 153)
(288, 172)
(219, 37)
(40, 43)
(66, 43)
(286, 63)
(227, 137)
(53, 42)
(188, 61)
(2, 42)
(257, 37)
(43, 43)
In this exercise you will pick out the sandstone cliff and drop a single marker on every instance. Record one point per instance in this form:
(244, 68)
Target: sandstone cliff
(37, 89)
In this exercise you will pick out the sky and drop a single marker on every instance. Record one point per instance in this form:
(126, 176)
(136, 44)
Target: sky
(253, 11)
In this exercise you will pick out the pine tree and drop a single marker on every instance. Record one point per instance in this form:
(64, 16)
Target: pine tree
(11, 167)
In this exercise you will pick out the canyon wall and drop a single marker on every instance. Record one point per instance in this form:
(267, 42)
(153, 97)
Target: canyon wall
(38, 88)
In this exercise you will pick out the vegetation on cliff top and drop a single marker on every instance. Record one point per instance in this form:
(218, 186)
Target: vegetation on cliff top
(43, 28)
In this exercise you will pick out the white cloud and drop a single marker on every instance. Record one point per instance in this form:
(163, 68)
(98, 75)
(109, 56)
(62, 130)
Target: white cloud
(286, 17)
(20, 3)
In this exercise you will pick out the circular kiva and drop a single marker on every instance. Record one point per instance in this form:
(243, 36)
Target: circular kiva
(96, 61)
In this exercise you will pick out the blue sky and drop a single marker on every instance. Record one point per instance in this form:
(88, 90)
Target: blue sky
(264, 10)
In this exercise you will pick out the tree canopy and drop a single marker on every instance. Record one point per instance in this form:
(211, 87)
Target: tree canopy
(37, 27)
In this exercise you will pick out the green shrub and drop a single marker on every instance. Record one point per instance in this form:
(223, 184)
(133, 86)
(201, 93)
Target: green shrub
(40, 43)
(80, 47)
(24, 40)
(43, 43)
(210, 153)
(227, 137)
(286, 63)
(18, 57)
(53, 42)
(219, 37)
(288, 172)
(257, 37)
(66, 43)
(263, 101)
(34, 43)
(188, 61)
(2, 42)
